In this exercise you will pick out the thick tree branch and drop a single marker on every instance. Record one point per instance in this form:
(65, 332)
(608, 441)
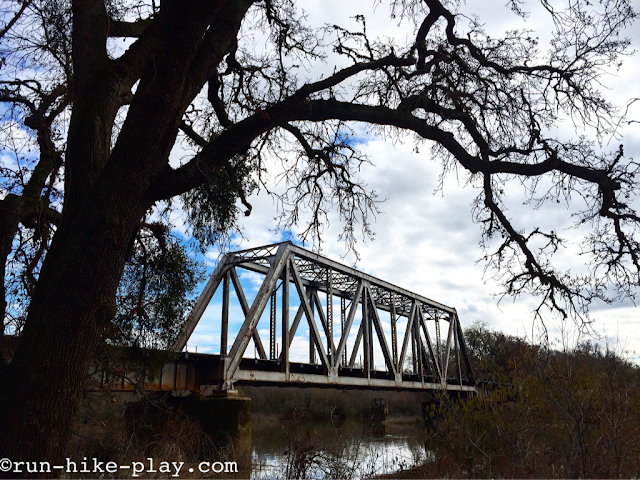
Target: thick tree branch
(216, 103)
(89, 42)
(310, 151)
(220, 38)
(423, 31)
(192, 134)
(241, 134)
(135, 29)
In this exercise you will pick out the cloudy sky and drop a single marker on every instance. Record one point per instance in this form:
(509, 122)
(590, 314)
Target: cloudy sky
(425, 240)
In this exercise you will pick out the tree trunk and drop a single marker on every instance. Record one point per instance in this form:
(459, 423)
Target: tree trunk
(10, 208)
(106, 196)
(72, 303)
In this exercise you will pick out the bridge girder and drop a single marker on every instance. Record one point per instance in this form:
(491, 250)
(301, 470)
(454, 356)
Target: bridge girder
(435, 363)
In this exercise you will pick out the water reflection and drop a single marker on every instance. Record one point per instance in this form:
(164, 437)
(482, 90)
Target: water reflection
(351, 450)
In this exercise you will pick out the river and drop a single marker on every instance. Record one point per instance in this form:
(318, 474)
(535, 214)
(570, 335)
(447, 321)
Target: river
(348, 449)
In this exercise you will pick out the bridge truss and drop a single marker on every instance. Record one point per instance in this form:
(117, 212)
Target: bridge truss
(416, 359)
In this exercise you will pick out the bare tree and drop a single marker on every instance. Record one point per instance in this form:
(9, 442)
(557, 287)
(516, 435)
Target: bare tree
(99, 92)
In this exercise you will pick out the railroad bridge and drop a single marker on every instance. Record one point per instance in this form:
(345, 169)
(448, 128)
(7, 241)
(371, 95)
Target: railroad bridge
(426, 351)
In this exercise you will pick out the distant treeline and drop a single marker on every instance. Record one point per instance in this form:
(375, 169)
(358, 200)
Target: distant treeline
(563, 413)
(320, 404)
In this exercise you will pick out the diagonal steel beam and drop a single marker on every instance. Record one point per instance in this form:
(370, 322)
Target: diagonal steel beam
(356, 346)
(245, 310)
(394, 332)
(418, 340)
(296, 320)
(432, 353)
(325, 324)
(202, 303)
(425, 358)
(463, 349)
(313, 328)
(447, 351)
(456, 345)
(347, 327)
(381, 338)
(407, 335)
(253, 316)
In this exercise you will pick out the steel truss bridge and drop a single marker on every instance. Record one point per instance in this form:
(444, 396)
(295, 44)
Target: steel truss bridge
(416, 360)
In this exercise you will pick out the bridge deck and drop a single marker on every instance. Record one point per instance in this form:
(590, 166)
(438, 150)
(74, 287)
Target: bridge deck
(204, 372)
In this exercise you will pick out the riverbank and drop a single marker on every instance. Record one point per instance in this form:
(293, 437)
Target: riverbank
(420, 471)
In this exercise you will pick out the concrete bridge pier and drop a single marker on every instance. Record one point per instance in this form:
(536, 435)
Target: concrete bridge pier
(225, 417)
(379, 411)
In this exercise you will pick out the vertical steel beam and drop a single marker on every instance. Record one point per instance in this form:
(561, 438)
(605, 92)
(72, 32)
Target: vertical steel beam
(272, 325)
(224, 330)
(372, 364)
(296, 319)
(284, 364)
(311, 319)
(330, 346)
(343, 320)
(438, 353)
(394, 333)
(420, 365)
(366, 334)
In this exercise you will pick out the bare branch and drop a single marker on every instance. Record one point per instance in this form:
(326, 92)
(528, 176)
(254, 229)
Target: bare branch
(14, 19)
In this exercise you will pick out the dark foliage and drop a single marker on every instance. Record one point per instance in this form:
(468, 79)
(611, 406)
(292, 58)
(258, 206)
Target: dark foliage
(548, 414)
(155, 292)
